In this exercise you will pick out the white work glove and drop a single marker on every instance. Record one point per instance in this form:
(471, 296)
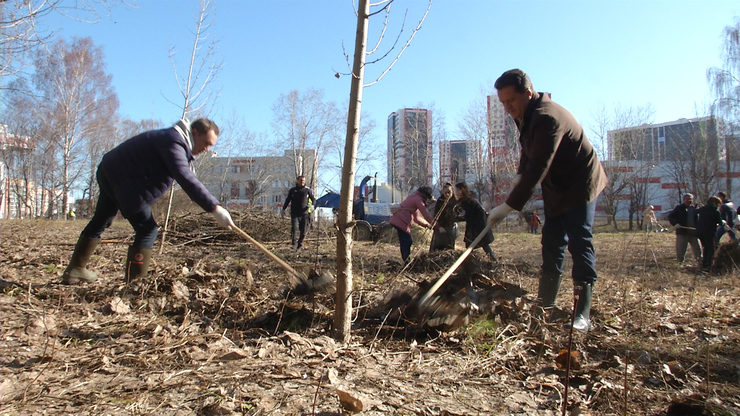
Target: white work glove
(499, 213)
(223, 217)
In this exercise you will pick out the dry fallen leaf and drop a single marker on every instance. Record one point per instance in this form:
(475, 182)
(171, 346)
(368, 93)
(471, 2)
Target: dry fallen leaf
(562, 360)
(349, 402)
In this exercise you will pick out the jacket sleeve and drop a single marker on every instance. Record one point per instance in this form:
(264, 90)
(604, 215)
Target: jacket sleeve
(178, 165)
(421, 208)
(534, 165)
(287, 199)
(672, 217)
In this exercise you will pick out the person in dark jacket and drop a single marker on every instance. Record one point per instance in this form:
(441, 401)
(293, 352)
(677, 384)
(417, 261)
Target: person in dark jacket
(684, 218)
(445, 234)
(474, 216)
(556, 154)
(727, 211)
(134, 175)
(299, 198)
(709, 220)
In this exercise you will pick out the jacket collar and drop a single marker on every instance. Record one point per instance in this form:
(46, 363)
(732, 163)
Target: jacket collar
(535, 102)
(182, 127)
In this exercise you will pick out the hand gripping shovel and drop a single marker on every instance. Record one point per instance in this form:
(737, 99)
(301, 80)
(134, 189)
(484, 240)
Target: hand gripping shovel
(301, 283)
(424, 299)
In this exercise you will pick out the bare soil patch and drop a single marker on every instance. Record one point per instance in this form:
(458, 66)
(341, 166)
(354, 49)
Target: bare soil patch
(215, 329)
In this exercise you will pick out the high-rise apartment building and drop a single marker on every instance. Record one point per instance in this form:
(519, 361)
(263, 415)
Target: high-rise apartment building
(461, 161)
(410, 148)
(503, 151)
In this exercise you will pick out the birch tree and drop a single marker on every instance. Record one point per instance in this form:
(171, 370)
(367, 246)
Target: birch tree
(343, 312)
(306, 121)
(201, 69)
(725, 84)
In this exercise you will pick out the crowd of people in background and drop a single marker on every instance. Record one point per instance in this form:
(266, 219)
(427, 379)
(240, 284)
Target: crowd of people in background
(702, 226)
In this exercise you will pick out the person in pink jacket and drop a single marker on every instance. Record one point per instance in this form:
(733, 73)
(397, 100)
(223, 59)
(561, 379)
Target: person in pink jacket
(414, 206)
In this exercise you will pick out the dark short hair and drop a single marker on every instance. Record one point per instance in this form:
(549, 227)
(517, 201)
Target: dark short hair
(514, 78)
(204, 125)
(722, 195)
(426, 191)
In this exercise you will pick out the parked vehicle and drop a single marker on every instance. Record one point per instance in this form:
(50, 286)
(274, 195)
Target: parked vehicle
(371, 217)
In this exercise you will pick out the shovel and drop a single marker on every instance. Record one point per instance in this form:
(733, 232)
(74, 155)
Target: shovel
(301, 283)
(424, 299)
(297, 278)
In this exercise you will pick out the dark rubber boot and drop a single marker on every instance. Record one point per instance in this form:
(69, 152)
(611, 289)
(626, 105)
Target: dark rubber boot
(548, 289)
(137, 262)
(76, 272)
(582, 321)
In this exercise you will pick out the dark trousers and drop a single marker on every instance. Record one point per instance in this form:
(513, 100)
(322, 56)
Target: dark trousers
(707, 244)
(404, 240)
(573, 230)
(298, 223)
(106, 210)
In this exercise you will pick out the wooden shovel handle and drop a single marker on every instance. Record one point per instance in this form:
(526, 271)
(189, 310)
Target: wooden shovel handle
(278, 260)
(455, 265)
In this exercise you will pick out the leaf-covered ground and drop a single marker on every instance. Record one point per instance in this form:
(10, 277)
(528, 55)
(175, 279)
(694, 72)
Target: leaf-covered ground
(214, 329)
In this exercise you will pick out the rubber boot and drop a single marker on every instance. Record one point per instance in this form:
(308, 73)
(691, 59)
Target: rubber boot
(582, 321)
(137, 262)
(548, 289)
(76, 272)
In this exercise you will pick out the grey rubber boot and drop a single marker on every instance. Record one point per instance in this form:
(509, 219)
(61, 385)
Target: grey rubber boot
(76, 272)
(582, 321)
(547, 291)
(137, 262)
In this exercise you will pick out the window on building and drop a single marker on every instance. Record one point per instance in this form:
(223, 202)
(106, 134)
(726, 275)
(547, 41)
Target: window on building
(235, 189)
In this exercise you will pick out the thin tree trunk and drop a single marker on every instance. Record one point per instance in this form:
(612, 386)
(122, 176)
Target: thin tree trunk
(343, 312)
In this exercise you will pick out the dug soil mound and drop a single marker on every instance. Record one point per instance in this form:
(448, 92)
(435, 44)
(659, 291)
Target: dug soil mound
(219, 328)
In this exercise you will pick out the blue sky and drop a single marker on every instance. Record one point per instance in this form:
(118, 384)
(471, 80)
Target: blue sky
(588, 54)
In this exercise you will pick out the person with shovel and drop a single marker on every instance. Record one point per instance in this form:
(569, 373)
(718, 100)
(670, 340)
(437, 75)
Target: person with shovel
(709, 220)
(300, 198)
(470, 211)
(444, 236)
(134, 175)
(409, 210)
(556, 154)
(684, 217)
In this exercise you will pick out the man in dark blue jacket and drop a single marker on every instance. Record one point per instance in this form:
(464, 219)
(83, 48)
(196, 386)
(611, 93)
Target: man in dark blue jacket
(131, 177)
(298, 198)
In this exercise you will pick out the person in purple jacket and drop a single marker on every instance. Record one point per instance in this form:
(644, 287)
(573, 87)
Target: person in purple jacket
(409, 211)
(131, 177)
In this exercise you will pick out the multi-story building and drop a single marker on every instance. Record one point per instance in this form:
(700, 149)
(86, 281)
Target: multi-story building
(656, 163)
(20, 194)
(258, 180)
(461, 161)
(410, 148)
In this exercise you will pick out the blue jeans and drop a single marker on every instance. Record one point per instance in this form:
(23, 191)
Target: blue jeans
(106, 210)
(721, 231)
(404, 240)
(572, 229)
